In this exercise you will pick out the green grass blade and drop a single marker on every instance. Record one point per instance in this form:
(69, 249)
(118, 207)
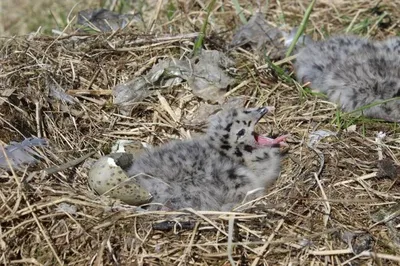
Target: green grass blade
(239, 11)
(301, 29)
(199, 42)
(278, 70)
(373, 104)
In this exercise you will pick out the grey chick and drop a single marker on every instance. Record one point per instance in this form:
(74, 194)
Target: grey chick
(354, 72)
(214, 172)
(390, 45)
(314, 59)
(363, 79)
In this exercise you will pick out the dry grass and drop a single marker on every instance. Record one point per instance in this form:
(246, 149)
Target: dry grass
(300, 221)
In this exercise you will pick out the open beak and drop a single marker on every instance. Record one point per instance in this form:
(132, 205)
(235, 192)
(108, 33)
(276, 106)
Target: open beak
(265, 141)
(279, 141)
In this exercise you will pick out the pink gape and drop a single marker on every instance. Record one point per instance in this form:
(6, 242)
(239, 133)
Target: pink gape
(265, 141)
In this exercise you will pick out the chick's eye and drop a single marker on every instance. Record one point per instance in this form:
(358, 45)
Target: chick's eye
(241, 132)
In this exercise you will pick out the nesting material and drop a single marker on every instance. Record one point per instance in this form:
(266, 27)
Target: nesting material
(54, 219)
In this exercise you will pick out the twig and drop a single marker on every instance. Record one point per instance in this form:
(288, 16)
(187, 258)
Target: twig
(349, 251)
(364, 177)
(325, 201)
(264, 248)
(190, 245)
(32, 212)
(230, 239)
(55, 169)
(153, 20)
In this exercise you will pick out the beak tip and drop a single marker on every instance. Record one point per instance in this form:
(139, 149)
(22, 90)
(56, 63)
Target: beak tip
(266, 109)
(270, 109)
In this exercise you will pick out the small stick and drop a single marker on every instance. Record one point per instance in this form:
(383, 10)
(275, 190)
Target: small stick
(151, 22)
(349, 251)
(364, 177)
(230, 239)
(325, 202)
(38, 122)
(264, 248)
(55, 169)
(190, 245)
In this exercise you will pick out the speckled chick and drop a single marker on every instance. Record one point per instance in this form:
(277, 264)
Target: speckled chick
(214, 172)
(390, 45)
(364, 79)
(354, 72)
(316, 58)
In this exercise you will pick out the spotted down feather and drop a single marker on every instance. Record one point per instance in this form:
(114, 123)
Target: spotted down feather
(213, 172)
(354, 72)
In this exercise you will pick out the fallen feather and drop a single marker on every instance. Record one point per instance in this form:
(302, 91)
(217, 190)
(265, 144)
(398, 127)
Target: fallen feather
(57, 92)
(67, 208)
(205, 74)
(105, 20)
(259, 33)
(316, 136)
(20, 154)
(314, 139)
(210, 79)
(167, 72)
(304, 40)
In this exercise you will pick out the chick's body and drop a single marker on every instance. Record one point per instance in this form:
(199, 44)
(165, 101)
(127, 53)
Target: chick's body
(212, 172)
(366, 79)
(354, 72)
(316, 58)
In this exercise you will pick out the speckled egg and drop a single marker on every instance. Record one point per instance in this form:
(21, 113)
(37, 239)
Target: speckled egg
(107, 177)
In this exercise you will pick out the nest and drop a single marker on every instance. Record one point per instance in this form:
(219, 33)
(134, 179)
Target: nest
(321, 211)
